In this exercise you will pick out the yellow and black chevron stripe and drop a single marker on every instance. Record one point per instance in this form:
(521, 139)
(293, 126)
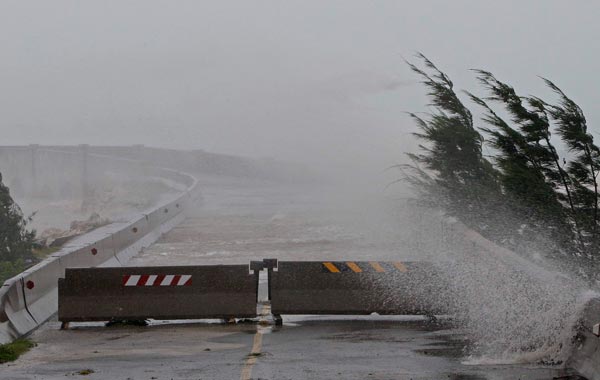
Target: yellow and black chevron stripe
(363, 266)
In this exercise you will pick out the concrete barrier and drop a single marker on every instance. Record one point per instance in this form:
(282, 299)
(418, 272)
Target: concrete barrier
(23, 309)
(39, 290)
(176, 292)
(15, 319)
(350, 287)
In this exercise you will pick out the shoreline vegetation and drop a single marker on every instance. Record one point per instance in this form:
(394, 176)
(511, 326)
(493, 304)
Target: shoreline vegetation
(11, 351)
(16, 241)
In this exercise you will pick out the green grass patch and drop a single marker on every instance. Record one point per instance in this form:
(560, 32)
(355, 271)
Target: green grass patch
(10, 269)
(11, 351)
(42, 253)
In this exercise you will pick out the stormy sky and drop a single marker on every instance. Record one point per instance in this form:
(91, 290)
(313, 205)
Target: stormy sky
(299, 80)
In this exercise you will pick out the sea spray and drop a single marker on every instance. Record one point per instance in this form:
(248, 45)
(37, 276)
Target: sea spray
(514, 310)
(511, 309)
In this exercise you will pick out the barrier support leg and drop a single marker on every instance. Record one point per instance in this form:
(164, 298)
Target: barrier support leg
(256, 267)
(270, 264)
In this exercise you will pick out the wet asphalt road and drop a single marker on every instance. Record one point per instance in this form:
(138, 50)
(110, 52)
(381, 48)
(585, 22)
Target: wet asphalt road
(240, 221)
(371, 348)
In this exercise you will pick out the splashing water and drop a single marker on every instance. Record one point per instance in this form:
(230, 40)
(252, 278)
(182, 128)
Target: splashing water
(511, 309)
(514, 311)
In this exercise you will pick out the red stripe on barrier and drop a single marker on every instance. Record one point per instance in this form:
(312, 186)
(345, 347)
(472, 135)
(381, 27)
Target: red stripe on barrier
(175, 280)
(142, 280)
(156, 280)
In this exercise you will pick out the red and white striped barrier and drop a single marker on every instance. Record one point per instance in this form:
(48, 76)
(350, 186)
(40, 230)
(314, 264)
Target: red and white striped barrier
(157, 280)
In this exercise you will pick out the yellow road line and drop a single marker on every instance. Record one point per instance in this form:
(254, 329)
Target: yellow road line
(332, 268)
(354, 267)
(256, 350)
(377, 266)
(401, 267)
(253, 357)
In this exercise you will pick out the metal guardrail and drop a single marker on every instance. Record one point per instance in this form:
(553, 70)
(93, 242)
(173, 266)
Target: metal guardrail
(31, 298)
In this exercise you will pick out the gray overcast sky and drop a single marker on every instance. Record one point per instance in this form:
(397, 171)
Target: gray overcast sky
(292, 79)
